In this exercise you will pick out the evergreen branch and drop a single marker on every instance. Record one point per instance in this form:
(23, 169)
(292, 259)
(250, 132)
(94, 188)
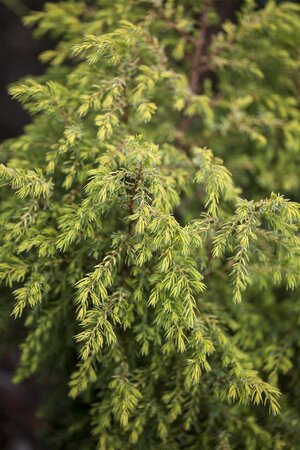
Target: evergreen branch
(27, 183)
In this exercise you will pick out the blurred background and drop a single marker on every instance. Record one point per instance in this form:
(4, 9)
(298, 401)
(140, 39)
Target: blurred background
(18, 57)
(19, 51)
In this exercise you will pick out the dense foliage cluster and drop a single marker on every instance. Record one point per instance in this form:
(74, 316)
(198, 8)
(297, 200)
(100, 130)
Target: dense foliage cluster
(146, 229)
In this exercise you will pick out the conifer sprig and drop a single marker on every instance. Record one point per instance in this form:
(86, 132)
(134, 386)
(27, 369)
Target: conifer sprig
(151, 268)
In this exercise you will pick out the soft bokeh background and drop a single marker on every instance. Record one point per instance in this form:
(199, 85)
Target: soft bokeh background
(18, 57)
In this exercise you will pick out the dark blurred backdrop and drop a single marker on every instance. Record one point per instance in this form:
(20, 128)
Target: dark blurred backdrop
(18, 57)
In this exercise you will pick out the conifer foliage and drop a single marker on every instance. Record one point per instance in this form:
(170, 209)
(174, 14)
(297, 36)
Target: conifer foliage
(147, 236)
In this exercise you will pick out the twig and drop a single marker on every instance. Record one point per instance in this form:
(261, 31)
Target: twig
(200, 44)
(198, 65)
